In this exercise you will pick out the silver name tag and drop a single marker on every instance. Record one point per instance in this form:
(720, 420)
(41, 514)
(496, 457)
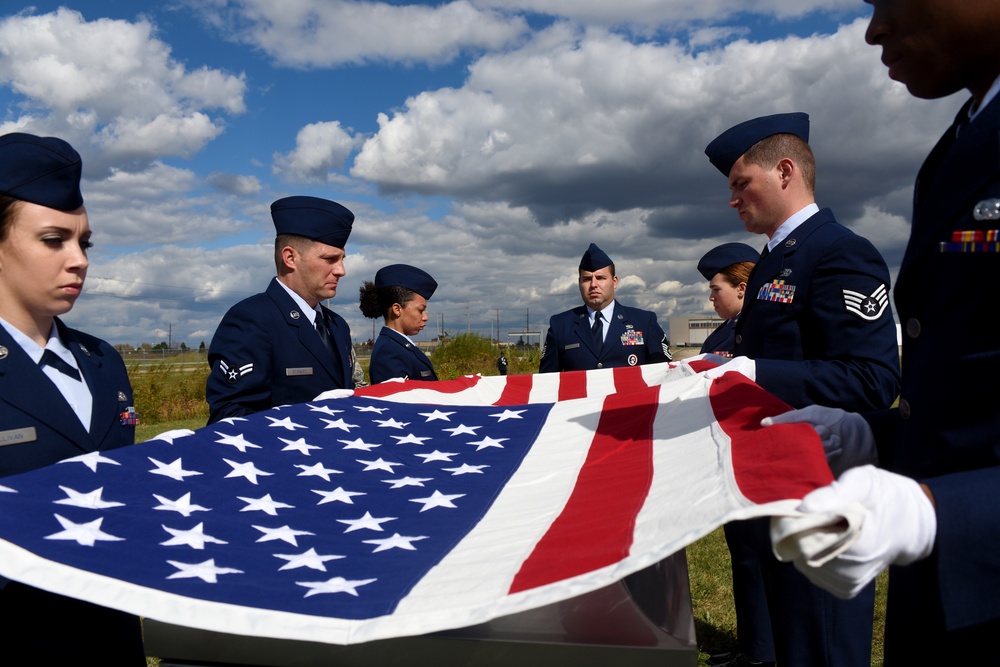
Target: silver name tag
(17, 436)
(572, 346)
(291, 372)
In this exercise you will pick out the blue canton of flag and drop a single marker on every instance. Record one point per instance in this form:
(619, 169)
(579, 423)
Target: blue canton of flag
(350, 502)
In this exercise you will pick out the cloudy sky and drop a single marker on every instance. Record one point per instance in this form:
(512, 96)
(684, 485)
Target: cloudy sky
(486, 141)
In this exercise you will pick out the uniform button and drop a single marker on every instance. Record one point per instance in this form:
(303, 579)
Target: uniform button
(913, 327)
(739, 338)
(904, 408)
(600, 365)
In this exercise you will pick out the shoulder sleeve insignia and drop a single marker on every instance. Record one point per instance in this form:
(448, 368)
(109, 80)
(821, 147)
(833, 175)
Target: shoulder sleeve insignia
(233, 374)
(868, 307)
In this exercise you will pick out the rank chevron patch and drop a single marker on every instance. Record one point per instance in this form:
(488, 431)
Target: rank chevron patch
(867, 307)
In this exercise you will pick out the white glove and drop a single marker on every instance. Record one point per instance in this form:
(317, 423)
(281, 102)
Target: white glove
(173, 434)
(898, 528)
(847, 439)
(335, 393)
(743, 365)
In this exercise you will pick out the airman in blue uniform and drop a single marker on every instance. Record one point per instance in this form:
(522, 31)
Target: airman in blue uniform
(399, 295)
(63, 393)
(931, 508)
(816, 327)
(726, 268)
(626, 336)
(283, 346)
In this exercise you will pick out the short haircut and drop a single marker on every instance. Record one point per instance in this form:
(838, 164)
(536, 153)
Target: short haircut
(300, 243)
(767, 152)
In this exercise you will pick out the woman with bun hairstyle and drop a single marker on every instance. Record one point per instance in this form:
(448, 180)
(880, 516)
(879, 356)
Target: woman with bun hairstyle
(399, 296)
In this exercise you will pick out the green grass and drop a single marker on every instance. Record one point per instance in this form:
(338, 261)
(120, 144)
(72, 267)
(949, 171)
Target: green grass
(712, 598)
(172, 396)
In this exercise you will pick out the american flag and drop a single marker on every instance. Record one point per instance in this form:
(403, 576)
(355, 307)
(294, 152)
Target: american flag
(408, 507)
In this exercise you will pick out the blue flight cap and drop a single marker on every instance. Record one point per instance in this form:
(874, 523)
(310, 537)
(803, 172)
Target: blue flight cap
(314, 218)
(725, 255)
(594, 259)
(40, 170)
(730, 146)
(404, 275)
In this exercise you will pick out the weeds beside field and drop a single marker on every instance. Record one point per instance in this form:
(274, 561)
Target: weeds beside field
(171, 395)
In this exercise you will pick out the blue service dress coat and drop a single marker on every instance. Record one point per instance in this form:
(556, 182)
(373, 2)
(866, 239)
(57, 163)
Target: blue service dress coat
(946, 430)
(816, 319)
(634, 338)
(395, 357)
(266, 353)
(37, 428)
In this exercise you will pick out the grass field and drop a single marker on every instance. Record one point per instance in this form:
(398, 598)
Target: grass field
(172, 395)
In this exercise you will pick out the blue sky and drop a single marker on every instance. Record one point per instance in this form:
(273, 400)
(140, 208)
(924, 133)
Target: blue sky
(487, 142)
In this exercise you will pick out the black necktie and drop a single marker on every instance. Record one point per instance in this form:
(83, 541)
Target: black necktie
(50, 358)
(598, 330)
(324, 333)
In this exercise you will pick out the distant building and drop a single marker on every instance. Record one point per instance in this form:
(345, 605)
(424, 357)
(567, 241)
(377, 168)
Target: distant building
(692, 330)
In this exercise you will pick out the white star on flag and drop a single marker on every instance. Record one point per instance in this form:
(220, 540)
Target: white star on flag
(247, 470)
(194, 537)
(437, 456)
(91, 500)
(341, 424)
(237, 441)
(87, 534)
(264, 504)
(390, 423)
(359, 444)
(437, 414)
(325, 409)
(309, 559)
(182, 505)
(337, 495)
(508, 414)
(173, 470)
(488, 442)
(317, 470)
(335, 585)
(462, 429)
(206, 571)
(285, 423)
(299, 445)
(465, 469)
(366, 522)
(409, 439)
(90, 460)
(407, 481)
(437, 499)
(379, 464)
(284, 533)
(397, 541)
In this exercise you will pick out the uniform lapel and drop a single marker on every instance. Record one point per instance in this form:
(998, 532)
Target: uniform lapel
(25, 387)
(299, 322)
(583, 332)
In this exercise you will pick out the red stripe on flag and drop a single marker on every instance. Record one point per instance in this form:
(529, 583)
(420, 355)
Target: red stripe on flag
(772, 463)
(516, 391)
(629, 378)
(443, 386)
(595, 527)
(572, 384)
